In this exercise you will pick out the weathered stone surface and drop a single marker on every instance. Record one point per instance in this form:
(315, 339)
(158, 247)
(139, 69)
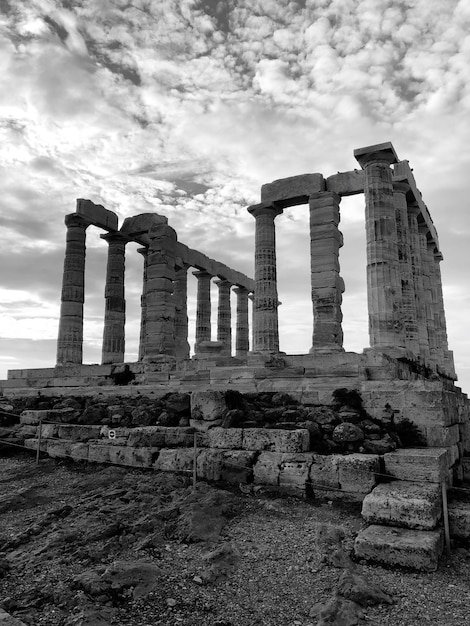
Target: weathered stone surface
(292, 190)
(76, 432)
(138, 576)
(48, 430)
(267, 468)
(99, 452)
(133, 457)
(356, 587)
(160, 436)
(324, 473)
(294, 473)
(276, 440)
(79, 451)
(357, 473)
(420, 464)
(230, 438)
(8, 620)
(398, 546)
(459, 519)
(175, 460)
(208, 405)
(57, 448)
(97, 215)
(409, 505)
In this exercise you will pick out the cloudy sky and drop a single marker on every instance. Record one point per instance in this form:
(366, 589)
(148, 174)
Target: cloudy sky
(186, 107)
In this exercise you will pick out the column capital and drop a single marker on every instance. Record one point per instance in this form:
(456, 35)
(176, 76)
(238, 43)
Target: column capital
(201, 274)
(265, 208)
(400, 187)
(239, 290)
(115, 237)
(223, 282)
(73, 220)
(143, 251)
(438, 256)
(378, 153)
(324, 195)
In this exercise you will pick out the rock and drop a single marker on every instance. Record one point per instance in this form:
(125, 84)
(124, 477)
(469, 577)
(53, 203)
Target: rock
(208, 405)
(4, 567)
(276, 440)
(118, 577)
(178, 403)
(233, 418)
(357, 473)
(353, 586)
(380, 446)
(90, 617)
(267, 468)
(323, 415)
(203, 514)
(8, 620)
(339, 612)
(347, 433)
(220, 563)
(282, 399)
(329, 541)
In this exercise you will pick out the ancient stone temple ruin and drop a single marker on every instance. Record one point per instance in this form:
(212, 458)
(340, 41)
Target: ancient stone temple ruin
(323, 420)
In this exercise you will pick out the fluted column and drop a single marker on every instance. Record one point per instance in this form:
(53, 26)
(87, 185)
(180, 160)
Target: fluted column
(437, 306)
(160, 304)
(327, 285)
(418, 281)
(408, 302)
(383, 282)
(265, 315)
(203, 309)
(180, 294)
(448, 358)
(242, 341)
(426, 261)
(143, 304)
(115, 304)
(70, 337)
(224, 317)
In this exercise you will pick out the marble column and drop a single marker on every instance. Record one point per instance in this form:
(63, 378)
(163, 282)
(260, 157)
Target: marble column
(408, 302)
(143, 304)
(203, 308)
(242, 342)
(386, 328)
(327, 285)
(160, 304)
(115, 304)
(448, 366)
(437, 306)
(224, 317)
(70, 338)
(426, 261)
(418, 281)
(265, 315)
(180, 294)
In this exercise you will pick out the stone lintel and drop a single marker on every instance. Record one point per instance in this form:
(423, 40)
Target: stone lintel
(286, 192)
(346, 183)
(138, 226)
(402, 172)
(378, 152)
(97, 215)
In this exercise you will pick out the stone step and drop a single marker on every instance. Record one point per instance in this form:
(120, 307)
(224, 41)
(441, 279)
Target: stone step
(416, 506)
(420, 464)
(417, 549)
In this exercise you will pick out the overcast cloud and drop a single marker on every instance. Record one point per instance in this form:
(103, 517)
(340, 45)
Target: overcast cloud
(186, 107)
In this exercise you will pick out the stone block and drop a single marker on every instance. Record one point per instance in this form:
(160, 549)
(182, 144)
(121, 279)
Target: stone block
(459, 519)
(453, 455)
(417, 549)
(160, 436)
(267, 468)
(346, 183)
(98, 453)
(292, 190)
(237, 466)
(48, 431)
(324, 473)
(114, 436)
(79, 451)
(228, 438)
(419, 464)
(97, 215)
(209, 464)
(208, 405)
(408, 505)
(294, 473)
(78, 432)
(58, 448)
(175, 460)
(133, 457)
(357, 473)
(442, 436)
(32, 444)
(276, 440)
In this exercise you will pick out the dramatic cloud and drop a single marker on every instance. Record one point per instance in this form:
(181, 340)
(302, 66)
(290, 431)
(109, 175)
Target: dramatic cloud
(186, 107)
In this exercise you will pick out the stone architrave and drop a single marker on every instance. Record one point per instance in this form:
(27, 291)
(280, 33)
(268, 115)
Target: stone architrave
(224, 317)
(70, 337)
(426, 261)
(143, 304)
(327, 285)
(417, 270)
(203, 309)
(160, 304)
(408, 303)
(265, 314)
(180, 294)
(386, 327)
(448, 358)
(115, 303)
(242, 341)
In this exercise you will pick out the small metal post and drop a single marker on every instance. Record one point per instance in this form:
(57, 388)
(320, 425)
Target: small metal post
(445, 514)
(195, 462)
(39, 441)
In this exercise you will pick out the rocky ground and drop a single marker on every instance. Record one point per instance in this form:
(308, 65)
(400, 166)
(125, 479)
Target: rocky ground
(84, 545)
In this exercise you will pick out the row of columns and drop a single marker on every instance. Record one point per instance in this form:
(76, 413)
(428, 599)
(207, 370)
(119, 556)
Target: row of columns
(164, 315)
(404, 287)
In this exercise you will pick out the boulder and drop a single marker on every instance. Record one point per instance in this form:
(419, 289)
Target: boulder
(208, 406)
(347, 433)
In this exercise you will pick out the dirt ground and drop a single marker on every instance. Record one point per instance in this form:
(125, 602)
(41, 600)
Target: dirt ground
(91, 545)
